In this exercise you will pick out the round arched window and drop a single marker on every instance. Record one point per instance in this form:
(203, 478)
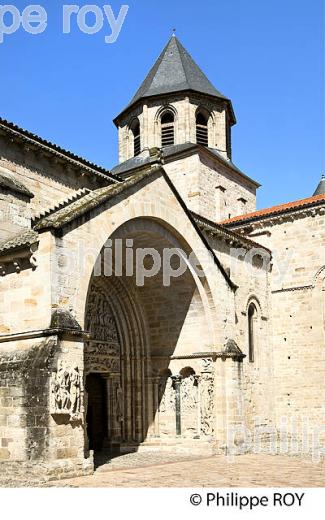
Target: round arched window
(202, 136)
(167, 122)
(135, 129)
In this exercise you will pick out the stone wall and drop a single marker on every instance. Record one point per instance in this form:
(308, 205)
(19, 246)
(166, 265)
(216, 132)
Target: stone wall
(25, 297)
(49, 179)
(210, 188)
(250, 383)
(15, 212)
(31, 431)
(297, 325)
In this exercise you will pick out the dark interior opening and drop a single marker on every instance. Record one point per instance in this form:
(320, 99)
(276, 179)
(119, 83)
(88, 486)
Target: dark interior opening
(96, 411)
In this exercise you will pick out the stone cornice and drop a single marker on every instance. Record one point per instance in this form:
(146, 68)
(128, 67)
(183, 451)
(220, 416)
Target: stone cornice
(16, 251)
(71, 334)
(192, 94)
(230, 237)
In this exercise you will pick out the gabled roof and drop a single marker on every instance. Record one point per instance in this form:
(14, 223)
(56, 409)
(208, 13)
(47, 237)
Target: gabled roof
(61, 216)
(28, 138)
(275, 210)
(320, 190)
(175, 71)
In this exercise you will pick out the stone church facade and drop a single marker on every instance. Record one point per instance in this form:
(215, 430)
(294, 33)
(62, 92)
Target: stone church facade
(223, 354)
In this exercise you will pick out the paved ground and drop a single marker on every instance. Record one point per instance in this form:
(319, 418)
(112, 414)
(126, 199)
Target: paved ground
(163, 469)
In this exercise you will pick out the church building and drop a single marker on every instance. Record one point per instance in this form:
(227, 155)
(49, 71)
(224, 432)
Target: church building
(152, 306)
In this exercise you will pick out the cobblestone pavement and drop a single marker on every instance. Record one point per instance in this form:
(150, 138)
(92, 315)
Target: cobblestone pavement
(170, 470)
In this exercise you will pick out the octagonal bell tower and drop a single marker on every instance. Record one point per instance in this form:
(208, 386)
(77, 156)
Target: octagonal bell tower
(176, 104)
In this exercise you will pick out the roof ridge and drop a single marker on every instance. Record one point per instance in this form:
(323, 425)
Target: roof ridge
(90, 201)
(73, 197)
(184, 53)
(151, 74)
(180, 48)
(9, 126)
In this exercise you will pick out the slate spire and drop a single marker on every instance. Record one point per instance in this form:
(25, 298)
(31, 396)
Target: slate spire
(320, 190)
(174, 71)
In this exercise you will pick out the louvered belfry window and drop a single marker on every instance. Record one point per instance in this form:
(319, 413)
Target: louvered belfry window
(167, 129)
(202, 136)
(136, 137)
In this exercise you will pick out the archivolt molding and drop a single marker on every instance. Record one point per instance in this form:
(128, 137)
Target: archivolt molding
(163, 109)
(254, 299)
(207, 111)
(320, 275)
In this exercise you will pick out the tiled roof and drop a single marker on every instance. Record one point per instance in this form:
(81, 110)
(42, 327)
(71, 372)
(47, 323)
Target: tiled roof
(276, 210)
(25, 135)
(25, 238)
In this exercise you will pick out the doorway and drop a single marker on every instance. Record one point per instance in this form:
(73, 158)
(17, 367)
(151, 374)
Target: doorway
(97, 417)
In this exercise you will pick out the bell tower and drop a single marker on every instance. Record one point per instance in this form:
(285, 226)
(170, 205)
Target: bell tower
(176, 104)
(178, 110)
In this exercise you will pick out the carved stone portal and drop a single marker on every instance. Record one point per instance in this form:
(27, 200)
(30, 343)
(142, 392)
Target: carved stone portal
(103, 351)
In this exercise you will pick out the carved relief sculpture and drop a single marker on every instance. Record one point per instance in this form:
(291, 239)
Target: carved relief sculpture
(207, 397)
(103, 349)
(66, 391)
(166, 395)
(189, 397)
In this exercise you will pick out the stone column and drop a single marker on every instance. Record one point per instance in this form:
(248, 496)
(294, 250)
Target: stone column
(198, 401)
(187, 120)
(207, 398)
(116, 407)
(145, 129)
(177, 384)
(153, 404)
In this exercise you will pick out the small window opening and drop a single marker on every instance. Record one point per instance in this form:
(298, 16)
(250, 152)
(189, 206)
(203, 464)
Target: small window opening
(202, 129)
(136, 138)
(167, 129)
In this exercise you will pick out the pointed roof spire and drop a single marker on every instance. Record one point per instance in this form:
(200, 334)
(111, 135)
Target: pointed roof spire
(320, 190)
(175, 71)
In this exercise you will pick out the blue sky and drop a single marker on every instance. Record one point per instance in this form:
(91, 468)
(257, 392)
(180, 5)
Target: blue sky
(267, 56)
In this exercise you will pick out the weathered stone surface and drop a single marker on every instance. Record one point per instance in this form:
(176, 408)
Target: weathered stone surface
(222, 351)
